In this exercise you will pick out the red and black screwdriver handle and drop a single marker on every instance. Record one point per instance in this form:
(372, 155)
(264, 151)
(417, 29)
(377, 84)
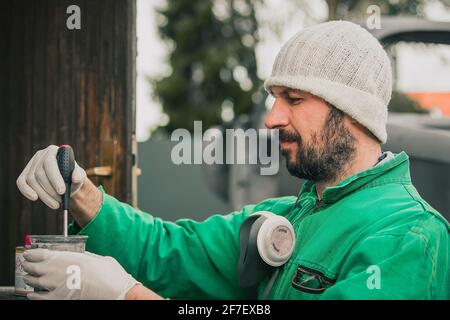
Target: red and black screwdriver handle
(66, 164)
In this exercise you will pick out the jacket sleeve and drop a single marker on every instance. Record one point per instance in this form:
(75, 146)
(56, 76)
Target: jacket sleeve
(388, 266)
(182, 259)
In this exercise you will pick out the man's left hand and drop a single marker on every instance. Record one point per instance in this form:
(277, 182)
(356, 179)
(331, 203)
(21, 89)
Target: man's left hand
(73, 275)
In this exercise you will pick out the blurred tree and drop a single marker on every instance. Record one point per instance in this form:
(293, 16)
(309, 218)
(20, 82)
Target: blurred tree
(213, 63)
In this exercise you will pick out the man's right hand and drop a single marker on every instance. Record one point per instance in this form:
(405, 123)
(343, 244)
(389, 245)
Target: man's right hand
(41, 178)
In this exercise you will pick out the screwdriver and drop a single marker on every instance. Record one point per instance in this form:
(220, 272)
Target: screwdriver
(66, 164)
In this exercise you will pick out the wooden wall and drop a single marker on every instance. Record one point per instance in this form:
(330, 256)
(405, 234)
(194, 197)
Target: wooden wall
(60, 86)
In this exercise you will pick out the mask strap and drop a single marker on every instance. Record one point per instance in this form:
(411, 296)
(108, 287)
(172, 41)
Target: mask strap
(270, 284)
(251, 268)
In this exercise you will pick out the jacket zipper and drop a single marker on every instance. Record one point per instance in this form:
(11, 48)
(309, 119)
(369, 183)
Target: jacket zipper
(318, 205)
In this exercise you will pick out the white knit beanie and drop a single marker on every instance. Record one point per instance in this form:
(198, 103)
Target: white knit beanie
(342, 63)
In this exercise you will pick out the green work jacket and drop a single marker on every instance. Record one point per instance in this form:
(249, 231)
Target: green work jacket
(370, 237)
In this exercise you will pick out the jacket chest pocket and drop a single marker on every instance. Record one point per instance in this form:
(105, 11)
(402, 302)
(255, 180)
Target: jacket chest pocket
(308, 284)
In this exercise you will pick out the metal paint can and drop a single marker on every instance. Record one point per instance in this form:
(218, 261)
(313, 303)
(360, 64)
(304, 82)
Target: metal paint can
(21, 288)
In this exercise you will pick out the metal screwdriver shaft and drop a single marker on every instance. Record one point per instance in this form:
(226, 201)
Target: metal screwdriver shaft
(65, 223)
(66, 164)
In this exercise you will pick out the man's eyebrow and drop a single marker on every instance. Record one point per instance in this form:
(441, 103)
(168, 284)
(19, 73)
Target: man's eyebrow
(287, 91)
(296, 91)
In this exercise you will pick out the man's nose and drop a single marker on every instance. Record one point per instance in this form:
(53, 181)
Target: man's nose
(278, 117)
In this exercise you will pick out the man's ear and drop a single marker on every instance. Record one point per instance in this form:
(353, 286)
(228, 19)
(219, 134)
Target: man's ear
(362, 128)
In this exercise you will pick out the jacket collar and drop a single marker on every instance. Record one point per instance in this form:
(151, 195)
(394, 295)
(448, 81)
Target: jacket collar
(394, 170)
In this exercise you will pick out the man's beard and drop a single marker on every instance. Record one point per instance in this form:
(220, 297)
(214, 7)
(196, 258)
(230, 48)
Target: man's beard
(321, 159)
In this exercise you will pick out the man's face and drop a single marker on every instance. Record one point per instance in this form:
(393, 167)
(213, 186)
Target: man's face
(314, 137)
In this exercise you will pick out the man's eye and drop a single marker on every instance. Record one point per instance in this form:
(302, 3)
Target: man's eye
(293, 101)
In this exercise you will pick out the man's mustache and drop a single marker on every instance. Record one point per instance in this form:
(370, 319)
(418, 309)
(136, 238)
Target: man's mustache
(286, 136)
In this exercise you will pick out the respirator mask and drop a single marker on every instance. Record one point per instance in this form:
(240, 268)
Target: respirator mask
(266, 243)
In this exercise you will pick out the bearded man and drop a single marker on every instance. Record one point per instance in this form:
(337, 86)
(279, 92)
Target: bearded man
(358, 228)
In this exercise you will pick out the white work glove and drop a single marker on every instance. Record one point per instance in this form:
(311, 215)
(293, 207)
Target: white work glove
(73, 275)
(41, 178)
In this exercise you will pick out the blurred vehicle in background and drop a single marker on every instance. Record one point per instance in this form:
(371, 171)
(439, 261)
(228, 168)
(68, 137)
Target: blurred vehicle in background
(419, 119)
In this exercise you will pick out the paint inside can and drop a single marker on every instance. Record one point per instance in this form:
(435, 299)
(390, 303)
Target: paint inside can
(59, 242)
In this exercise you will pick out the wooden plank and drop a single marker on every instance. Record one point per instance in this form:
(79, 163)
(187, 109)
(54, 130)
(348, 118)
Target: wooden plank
(63, 86)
